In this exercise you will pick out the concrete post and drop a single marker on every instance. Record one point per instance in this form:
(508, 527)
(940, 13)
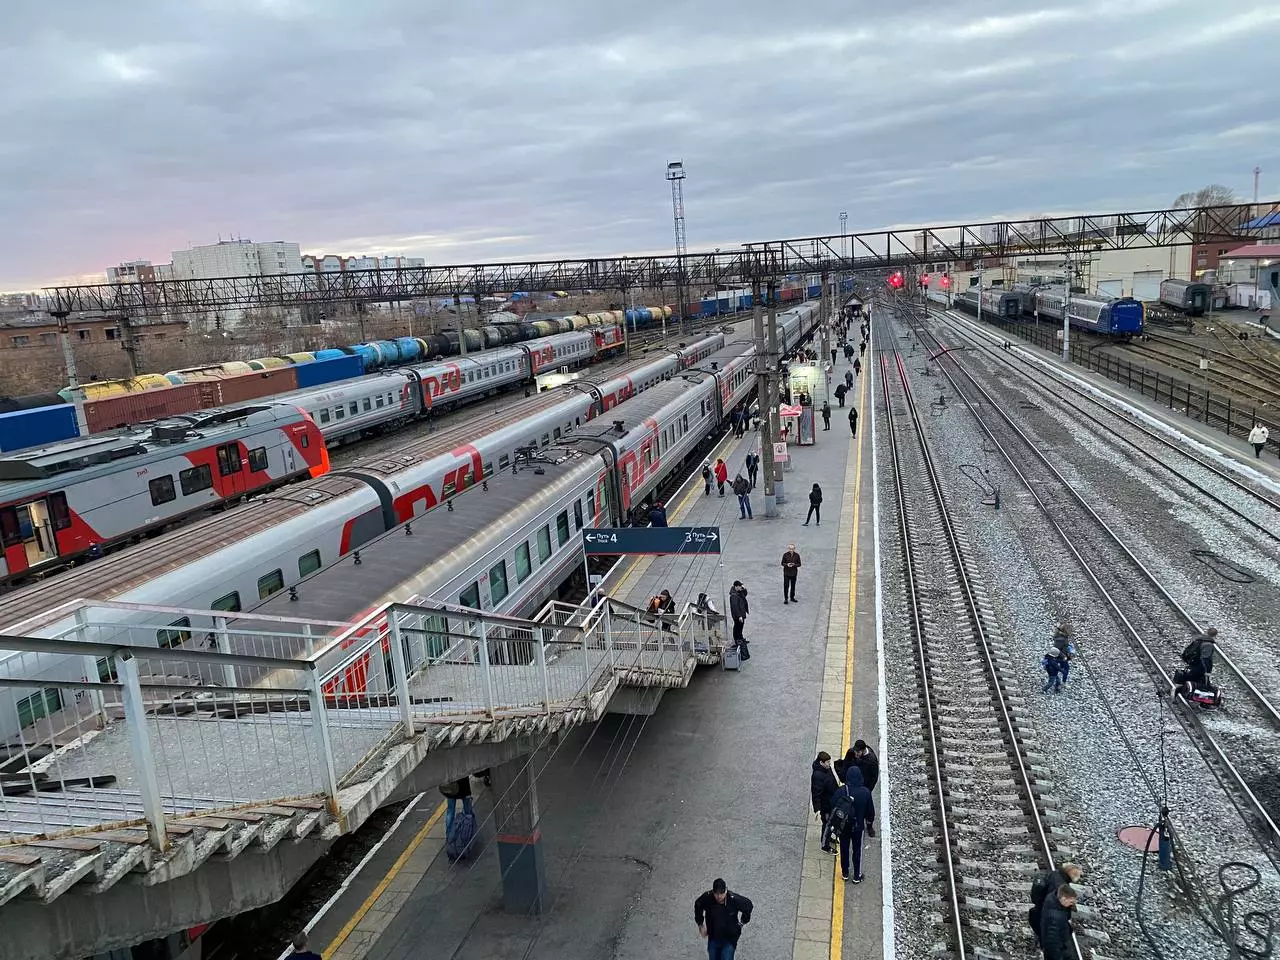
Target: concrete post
(399, 685)
(519, 841)
(775, 388)
(763, 393)
(222, 643)
(144, 764)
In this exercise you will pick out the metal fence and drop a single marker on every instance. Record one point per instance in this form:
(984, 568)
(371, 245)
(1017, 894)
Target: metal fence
(1194, 400)
(160, 721)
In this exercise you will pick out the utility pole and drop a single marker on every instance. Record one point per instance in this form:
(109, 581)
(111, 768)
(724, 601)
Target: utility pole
(775, 393)
(1066, 317)
(762, 393)
(979, 291)
(844, 224)
(1257, 172)
(73, 381)
(462, 328)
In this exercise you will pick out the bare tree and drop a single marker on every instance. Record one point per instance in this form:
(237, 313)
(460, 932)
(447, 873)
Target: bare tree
(1214, 195)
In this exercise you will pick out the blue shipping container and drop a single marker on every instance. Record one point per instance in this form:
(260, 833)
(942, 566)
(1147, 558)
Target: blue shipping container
(38, 427)
(319, 372)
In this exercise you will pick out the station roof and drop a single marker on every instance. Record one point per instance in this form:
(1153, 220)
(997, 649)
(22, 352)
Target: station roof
(1259, 251)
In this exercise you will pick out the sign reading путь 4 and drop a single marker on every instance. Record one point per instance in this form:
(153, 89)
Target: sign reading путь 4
(654, 541)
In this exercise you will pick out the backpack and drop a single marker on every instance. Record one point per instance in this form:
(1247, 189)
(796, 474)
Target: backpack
(1192, 652)
(1040, 889)
(461, 838)
(841, 813)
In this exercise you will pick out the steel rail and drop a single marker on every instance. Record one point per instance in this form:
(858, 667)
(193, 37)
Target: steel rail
(1154, 662)
(1224, 653)
(979, 633)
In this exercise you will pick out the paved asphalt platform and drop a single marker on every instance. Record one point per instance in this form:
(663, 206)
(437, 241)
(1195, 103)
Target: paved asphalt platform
(639, 814)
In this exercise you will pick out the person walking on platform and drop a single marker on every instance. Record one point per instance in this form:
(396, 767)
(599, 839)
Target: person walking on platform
(706, 478)
(753, 467)
(853, 420)
(822, 790)
(460, 789)
(790, 570)
(722, 475)
(833, 356)
(857, 366)
(1258, 437)
(851, 810)
(848, 379)
(720, 915)
(848, 353)
(1045, 887)
(743, 490)
(815, 506)
(863, 348)
(826, 415)
(841, 390)
(738, 609)
(658, 515)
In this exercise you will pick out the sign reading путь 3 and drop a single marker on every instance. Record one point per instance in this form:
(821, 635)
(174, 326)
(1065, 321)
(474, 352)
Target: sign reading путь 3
(655, 541)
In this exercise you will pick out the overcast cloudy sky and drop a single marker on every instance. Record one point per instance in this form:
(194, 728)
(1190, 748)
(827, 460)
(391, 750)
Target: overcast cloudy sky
(490, 129)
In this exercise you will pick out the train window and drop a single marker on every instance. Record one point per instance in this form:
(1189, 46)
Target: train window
(304, 440)
(470, 597)
(591, 505)
(258, 458)
(546, 439)
(162, 490)
(449, 489)
(58, 511)
(562, 527)
(194, 479)
(10, 532)
(308, 563)
(229, 459)
(524, 565)
(648, 456)
(270, 583)
(230, 603)
(556, 433)
(544, 544)
(498, 582)
(339, 412)
(38, 705)
(324, 416)
(176, 634)
(381, 402)
(107, 670)
(503, 462)
(368, 404)
(354, 407)
(577, 514)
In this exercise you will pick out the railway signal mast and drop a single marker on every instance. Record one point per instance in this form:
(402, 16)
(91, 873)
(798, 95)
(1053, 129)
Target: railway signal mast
(1066, 313)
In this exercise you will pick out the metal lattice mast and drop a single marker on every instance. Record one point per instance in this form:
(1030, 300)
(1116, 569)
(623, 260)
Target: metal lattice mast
(675, 173)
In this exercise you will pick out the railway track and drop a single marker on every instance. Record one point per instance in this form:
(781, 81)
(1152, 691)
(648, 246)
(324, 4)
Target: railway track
(1233, 741)
(1231, 374)
(987, 808)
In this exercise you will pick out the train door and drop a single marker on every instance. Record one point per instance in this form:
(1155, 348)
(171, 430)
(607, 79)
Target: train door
(231, 469)
(28, 526)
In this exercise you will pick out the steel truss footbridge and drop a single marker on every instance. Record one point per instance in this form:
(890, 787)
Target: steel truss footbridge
(1071, 236)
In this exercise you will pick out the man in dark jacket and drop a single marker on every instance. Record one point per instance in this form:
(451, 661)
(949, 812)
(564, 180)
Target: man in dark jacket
(720, 915)
(868, 764)
(738, 609)
(790, 570)
(753, 468)
(658, 515)
(853, 420)
(861, 811)
(822, 789)
(1044, 889)
(1055, 924)
(1198, 656)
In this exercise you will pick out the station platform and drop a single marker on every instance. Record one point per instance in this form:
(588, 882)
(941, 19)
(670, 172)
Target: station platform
(639, 813)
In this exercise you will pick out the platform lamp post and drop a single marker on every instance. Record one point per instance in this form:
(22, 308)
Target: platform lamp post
(1066, 315)
(979, 291)
(844, 226)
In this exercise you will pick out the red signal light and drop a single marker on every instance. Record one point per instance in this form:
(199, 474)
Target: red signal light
(945, 281)
(895, 281)
(924, 280)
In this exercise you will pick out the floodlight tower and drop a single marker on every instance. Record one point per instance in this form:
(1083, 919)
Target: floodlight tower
(675, 174)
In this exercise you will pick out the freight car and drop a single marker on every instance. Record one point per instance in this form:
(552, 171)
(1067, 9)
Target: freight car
(234, 561)
(1187, 297)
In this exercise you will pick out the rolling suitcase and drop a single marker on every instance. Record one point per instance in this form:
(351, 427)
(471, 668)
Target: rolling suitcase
(732, 659)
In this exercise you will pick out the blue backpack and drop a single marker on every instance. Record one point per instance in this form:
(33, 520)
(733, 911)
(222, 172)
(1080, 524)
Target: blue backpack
(461, 838)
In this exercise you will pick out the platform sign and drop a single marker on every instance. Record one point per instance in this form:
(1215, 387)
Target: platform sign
(651, 541)
(780, 454)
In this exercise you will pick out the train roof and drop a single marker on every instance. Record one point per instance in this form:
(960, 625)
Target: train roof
(175, 434)
(346, 589)
(119, 572)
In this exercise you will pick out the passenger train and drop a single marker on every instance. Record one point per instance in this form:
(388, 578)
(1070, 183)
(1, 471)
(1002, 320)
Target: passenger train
(278, 547)
(1120, 318)
(1185, 296)
(85, 495)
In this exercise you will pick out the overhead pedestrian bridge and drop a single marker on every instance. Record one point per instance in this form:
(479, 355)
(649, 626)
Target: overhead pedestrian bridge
(157, 739)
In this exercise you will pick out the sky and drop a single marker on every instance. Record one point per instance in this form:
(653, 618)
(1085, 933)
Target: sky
(495, 129)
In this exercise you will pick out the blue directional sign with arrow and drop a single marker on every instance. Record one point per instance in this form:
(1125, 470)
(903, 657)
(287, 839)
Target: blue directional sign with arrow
(653, 541)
